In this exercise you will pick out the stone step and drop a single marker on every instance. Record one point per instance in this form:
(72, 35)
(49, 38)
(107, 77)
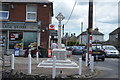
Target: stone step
(59, 64)
(69, 67)
(56, 62)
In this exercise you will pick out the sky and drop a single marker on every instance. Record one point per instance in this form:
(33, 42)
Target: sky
(105, 15)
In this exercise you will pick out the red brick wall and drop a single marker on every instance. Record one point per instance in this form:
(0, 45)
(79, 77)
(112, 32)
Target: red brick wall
(45, 17)
(18, 13)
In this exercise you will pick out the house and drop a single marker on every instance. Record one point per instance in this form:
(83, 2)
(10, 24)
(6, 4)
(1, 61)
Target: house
(21, 21)
(114, 38)
(96, 36)
(70, 38)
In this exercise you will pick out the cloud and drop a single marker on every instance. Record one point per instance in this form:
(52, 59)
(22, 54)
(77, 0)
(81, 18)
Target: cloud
(105, 15)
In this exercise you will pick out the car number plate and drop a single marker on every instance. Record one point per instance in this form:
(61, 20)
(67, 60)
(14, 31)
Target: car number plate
(96, 52)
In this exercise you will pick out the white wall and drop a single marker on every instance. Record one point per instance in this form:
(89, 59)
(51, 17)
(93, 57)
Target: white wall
(95, 37)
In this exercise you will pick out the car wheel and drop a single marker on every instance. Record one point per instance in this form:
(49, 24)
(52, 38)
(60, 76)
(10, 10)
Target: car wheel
(103, 59)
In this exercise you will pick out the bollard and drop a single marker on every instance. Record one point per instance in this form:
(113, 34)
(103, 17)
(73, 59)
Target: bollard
(54, 67)
(80, 66)
(37, 58)
(29, 64)
(92, 64)
(86, 59)
(12, 61)
(97, 57)
(90, 56)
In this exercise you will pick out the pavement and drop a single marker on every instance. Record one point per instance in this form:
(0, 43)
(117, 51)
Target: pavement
(21, 65)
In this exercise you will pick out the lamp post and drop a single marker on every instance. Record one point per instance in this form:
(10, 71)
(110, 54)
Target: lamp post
(59, 17)
(38, 39)
(81, 31)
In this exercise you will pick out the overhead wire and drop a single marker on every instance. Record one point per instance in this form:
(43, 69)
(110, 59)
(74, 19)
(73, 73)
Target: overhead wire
(71, 13)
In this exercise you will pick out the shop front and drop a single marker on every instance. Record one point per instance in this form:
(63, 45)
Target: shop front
(19, 34)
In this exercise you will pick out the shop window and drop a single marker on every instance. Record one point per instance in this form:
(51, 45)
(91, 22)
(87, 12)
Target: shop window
(4, 11)
(31, 12)
(15, 38)
(29, 37)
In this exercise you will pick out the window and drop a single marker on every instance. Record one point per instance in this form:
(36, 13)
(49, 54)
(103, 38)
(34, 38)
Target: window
(4, 11)
(31, 12)
(15, 38)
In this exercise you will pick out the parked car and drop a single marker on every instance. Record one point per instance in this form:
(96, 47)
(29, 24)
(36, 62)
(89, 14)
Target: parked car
(97, 51)
(69, 48)
(111, 51)
(77, 50)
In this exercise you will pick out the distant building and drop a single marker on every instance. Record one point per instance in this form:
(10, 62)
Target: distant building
(114, 38)
(97, 36)
(67, 38)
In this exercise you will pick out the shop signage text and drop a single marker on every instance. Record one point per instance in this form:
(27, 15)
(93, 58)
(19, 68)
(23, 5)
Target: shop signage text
(13, 27)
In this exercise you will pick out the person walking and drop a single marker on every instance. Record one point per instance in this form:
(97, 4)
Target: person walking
(54, 45)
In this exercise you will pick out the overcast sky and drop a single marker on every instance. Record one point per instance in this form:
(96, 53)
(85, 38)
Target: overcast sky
(105, 15)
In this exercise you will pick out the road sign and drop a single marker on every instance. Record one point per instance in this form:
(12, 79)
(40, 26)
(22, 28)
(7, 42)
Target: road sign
(51, 27)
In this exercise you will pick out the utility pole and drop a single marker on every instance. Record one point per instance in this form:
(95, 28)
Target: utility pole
(90, 26)
(81, 31)
(63, 30)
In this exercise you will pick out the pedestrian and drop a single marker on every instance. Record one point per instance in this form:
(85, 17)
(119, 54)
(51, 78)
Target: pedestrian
(54, 45)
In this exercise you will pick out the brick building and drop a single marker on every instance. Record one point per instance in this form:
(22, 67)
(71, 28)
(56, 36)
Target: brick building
(114, 38)
(22, 20)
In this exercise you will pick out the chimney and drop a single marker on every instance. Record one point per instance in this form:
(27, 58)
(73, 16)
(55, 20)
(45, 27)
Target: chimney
(96, 29)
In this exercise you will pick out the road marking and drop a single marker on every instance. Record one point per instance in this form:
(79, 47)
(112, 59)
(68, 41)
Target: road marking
(102, 68)
(113, 59)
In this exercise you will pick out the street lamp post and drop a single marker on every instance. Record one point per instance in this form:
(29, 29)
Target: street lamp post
(81, 31)
(59, 17)
(38, 39)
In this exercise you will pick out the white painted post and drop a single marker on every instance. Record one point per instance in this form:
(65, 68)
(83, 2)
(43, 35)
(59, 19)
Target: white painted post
(80, 66)
(92, 62)
(54, 67)
(12, 61)
(37, 58)
(86, 59)
(29, 63)
(90, 56)
(97, 57)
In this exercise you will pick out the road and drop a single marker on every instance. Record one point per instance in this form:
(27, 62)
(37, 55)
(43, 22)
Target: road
(107, 69)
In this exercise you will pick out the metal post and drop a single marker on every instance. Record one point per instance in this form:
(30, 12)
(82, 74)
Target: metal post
(54, 67)
(37, 58)
(92, 64)
(80, 66)
(81, 31)
(29, 64)
(90, 56)
(12, 61)
(39, 25)
(86, 59)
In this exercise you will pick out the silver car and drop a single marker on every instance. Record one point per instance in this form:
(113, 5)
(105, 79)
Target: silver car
(111, 51)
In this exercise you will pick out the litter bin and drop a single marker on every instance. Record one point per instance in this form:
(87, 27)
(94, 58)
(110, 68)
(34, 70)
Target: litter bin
(17, 51)
(44, 52)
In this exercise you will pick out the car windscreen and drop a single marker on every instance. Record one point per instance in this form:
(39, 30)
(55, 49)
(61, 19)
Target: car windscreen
(110, 48)
(96, 47)
(78, 48)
